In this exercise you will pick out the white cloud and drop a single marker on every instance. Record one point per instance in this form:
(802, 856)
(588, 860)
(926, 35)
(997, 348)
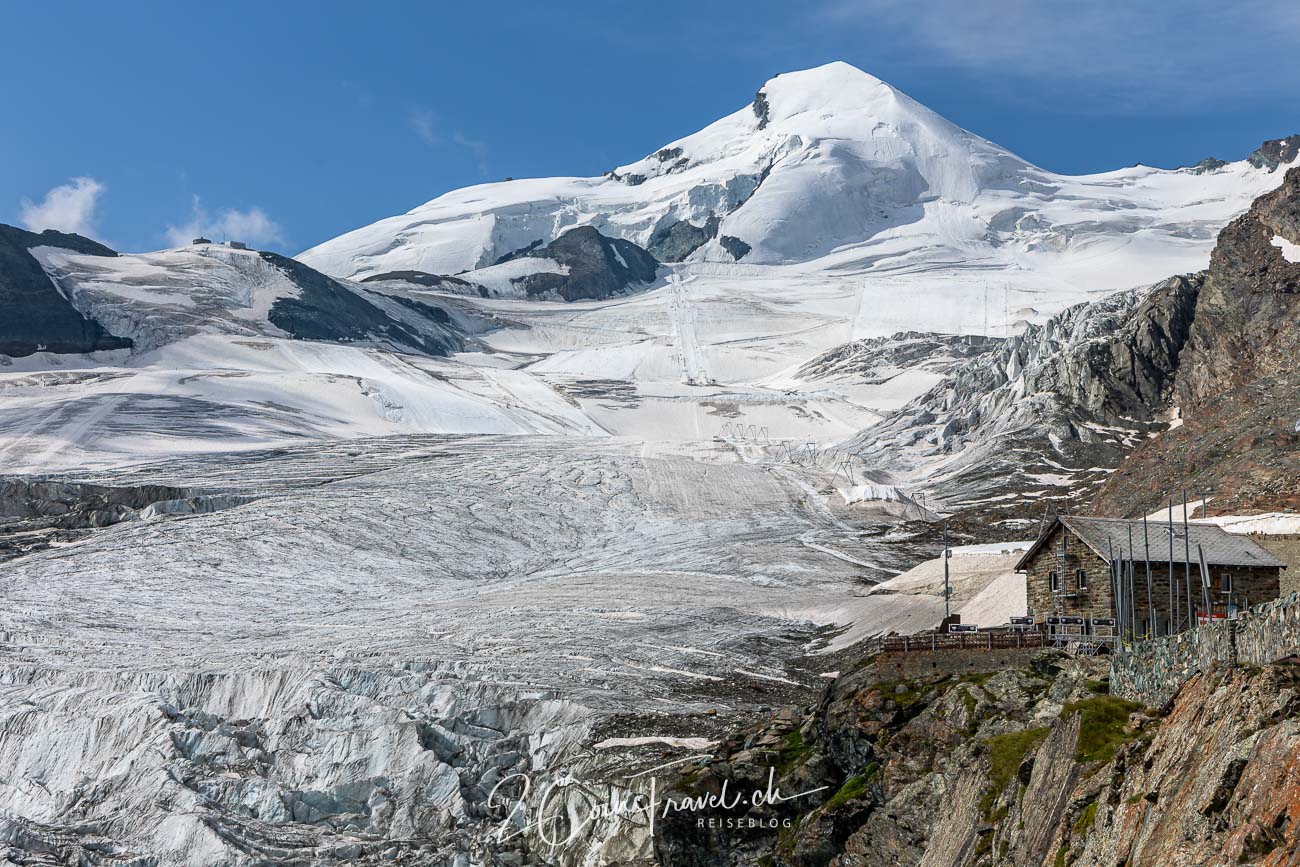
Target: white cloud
(68, 207)
(253, 227)
(422, 123)
(425, 125)
(475, 147)
(1130, 55)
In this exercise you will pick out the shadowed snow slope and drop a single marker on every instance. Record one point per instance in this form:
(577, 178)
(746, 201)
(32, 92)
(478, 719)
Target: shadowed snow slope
(158, 298)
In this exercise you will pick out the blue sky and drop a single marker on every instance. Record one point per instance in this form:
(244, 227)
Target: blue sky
(289, 123)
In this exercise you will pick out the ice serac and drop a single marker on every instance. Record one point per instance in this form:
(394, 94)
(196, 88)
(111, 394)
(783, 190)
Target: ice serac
(34, 315)
(1051, 409)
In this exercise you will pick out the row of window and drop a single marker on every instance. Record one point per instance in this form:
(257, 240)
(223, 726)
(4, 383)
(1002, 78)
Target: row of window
(1081, 581)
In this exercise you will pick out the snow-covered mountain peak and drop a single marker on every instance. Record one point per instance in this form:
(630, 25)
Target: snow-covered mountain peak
(832, 121)
(831, 170)
(816, 99)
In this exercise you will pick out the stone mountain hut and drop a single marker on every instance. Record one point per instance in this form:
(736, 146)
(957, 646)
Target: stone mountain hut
(1068, 570)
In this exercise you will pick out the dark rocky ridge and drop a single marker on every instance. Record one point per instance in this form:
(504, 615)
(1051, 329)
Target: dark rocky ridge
(1238, 378)
(327, 310)
(441, 282)
(598, 267)
(674, 241)
(1209, 164)
(419, 278)
(733, 245)
(1276, 152)
(34, 315)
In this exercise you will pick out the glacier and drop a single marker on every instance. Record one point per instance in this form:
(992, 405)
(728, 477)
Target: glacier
(419, 537)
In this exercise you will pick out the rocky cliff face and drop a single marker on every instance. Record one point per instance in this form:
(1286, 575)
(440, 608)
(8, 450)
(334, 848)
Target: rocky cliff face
(1275, 152)
(1237, 379)
(594, 266)
(1046, 412)
(1246, 317)
(34, 314)
(676, 239)
(1028, 764)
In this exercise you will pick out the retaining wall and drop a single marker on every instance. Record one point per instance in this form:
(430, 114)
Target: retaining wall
(906, 666)
(1153, 671)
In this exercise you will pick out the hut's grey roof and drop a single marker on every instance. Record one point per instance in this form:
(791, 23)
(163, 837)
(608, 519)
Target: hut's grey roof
(1104, 535)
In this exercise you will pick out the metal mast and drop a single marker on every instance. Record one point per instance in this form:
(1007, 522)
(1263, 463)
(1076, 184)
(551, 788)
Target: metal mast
(947, 591)
(1151, 606)
(1187, 563)
(1173, 605)
(1130, 600)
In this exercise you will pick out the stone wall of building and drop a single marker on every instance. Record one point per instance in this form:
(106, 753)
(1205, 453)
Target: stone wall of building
(1152, 672)
(1287, 549)
(1094, 600)
(1250, 585)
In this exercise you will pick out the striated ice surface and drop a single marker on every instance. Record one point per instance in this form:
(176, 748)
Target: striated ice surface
(341, 667)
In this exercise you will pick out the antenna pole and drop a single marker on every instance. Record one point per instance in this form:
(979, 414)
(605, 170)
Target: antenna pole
(1187, 563)
(947, 592)
(1173, 613)
(1151, 606)
(1132, 607)
(1205, 584)
(1114, 585)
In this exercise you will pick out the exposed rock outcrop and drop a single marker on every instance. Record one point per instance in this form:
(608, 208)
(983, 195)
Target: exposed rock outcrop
(736, 247)
(1237, 378)
(1275, 152)
(674, 241)
(1029, 764)
(762, 109)
(1248, 313)
(419, 278)
(34, 314)
(440, 282)
(327, 310)
(593, 266)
